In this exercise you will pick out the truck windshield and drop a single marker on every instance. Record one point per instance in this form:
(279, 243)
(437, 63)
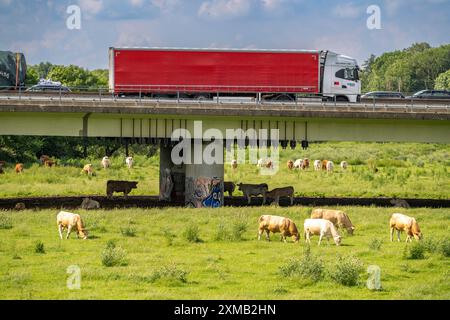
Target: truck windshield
(348, 74)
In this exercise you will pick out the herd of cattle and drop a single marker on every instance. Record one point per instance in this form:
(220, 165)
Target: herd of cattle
(323, 222)
(302, 164)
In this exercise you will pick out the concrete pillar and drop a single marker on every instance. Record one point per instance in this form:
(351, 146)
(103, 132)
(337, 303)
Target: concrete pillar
(204, 182)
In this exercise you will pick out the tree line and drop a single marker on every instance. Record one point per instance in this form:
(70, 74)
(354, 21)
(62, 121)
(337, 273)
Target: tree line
(409, 70)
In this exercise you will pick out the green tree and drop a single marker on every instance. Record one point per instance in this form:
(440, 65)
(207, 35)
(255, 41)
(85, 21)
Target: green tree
(73, 76)
(442, 82)
(32, 76)
(102, 76)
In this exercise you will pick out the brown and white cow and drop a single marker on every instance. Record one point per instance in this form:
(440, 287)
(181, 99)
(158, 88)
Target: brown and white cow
(344, 165)
(88, 169)
(401, 222)
(43, 158)
(339, 218)
(106, 163)
(317, 165)
(305, 164)
(277, 224)
(281, 192)
(69, 221)
(290, 164)
(49, 163)
(234, 164)
(19, 168)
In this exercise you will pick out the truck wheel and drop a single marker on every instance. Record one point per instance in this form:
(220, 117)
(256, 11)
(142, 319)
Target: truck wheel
(341, 99)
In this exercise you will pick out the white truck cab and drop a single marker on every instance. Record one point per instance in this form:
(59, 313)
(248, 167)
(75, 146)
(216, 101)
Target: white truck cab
(340, 78)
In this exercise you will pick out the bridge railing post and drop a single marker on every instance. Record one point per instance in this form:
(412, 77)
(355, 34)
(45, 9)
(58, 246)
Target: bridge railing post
(60, 94)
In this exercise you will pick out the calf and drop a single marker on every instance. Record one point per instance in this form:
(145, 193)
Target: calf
(228, 187)
(401, 222)
(281, 192)
(253, 190)
(19, 168)
(234, 164)
(305, 164)
(70, 220)
(322, 228)
(276, 224)
(317, 165)
(298, 163)
(324, 164)
(330, 166)
(120, 186)
(344, 165)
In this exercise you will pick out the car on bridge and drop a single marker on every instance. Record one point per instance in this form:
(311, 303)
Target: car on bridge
(48, 86)
(383, 95)
(431, 94)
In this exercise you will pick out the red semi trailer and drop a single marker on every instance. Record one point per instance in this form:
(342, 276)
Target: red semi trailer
(210, 72)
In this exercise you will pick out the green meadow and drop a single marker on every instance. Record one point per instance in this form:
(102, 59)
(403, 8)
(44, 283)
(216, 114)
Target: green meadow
(214, 254)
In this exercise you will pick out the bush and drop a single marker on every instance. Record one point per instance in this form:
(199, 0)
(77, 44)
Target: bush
(375, 244)
(39, 247)
(170, 273)
(415, 251)
(239, 228)
(445, 247)
(113, 256)
(308, 267)
(431, 245)
(128, 231)
(5, 222)
(222, 233)
(346, 271)
(191, 233)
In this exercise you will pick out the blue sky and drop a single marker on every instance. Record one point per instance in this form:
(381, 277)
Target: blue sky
(38, 28)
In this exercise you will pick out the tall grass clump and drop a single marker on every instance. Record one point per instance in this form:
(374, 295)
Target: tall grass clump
(222, 233)
(308, 267)
(168, 236)
(171, 274)
(5, 222)
(445, 247)
(39, 247)
(113, 256)
(414, 251)
(128, 231)
(375, 244)
(238, 229)
(346, 271)
(191, 233)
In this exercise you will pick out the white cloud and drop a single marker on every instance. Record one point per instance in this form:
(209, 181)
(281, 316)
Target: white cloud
(91, 7)
(136, 3)
(220, 9)
(348, 11)
(271, 4)
(128, 37)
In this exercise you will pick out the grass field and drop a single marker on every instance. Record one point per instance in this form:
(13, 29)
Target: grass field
(406, 170)
(226, 263)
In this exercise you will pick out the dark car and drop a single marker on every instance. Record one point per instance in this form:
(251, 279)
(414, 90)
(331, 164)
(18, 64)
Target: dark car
(383, 95)
(48, 86)
(431, 94)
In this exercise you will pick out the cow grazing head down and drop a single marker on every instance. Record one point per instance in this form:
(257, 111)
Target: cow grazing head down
(416, 230)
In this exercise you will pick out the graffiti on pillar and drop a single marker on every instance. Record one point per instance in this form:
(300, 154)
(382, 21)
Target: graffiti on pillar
(166, 185)
(204, 192)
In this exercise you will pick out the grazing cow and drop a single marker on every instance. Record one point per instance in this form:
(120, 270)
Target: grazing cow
(298, 163)
(281, 192)
(276, 224)
(290, 164)
(228, 187)
(322, 228)
(401, 222)
(19, 168)
(324, 164)
(120, 186)
(19, 206)
(129, 161)
(43, 158)
(339, 218)
(317, 165)
(265, 163)
(305, 164)
(88, 169)
(330, 166)
(106, 163)
(70, 220)
(253, 190)
(49, 163)
(400, 203)
(89, 204)
(344, 165)
(234, 164)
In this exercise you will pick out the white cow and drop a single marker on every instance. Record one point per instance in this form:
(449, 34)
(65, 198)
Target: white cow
(70, 220)
(344, 165)
(106, 163)
(234, 163)
(322, 228)
(330, 166)
(317, 165)
(298, 163)
(129, 161)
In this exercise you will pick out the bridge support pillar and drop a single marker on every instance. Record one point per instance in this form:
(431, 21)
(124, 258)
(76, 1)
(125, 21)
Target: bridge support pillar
(204, 175)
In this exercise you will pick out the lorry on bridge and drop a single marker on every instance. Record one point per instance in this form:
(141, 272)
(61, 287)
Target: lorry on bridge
(13, 70)
(210, 73)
